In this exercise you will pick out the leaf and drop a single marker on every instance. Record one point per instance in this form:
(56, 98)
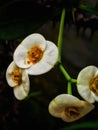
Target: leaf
(86, 125)
(88, 9)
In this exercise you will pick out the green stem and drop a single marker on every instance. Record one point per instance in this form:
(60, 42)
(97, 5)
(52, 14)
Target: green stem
(61, 34)
(66, 75)
(60, 37)
(69, 89)
(74, 80)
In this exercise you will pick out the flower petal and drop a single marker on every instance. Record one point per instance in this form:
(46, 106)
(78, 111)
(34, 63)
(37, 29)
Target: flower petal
(83, 81)
(83, 108)
(9, 71)
(47, 62)
(58, 106)
(85, 93)
(95, 96)
(22, 91)
(20, 54)
(60, 102)
(86, 74)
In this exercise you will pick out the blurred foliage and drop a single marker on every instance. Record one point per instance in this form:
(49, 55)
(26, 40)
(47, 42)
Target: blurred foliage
(88, 9)
(83, 126)
(18, 18)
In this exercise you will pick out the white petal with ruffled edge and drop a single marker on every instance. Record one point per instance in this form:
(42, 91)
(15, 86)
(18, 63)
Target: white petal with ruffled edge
(86, 74)
(9, 71)
(20, 54)
(83, 80)
(21, 92)
(59, 104)
(47, 62)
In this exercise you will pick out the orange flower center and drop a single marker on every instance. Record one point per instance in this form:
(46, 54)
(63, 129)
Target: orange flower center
(72, 112)
(34, 55)
(17, 76)
(94, 85)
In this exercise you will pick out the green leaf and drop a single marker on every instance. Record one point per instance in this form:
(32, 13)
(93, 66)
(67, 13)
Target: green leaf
(86, 125)
(33, 94)
(88, 9)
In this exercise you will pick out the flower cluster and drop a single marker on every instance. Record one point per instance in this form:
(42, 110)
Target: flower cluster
(68, 107)
(34, 56)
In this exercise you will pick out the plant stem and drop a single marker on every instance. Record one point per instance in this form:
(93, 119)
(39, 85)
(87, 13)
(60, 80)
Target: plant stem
(66, 75)
(63, 70)
(60, 37)
(73, 80)
(61, 34)
(69, 89)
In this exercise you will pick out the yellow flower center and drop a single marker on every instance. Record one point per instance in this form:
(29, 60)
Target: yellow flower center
(72, 112)
(34, 55)
(94, 85)
(17, 76)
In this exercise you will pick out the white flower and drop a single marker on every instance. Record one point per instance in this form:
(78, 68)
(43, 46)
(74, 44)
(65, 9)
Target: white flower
(87, 83)
(69, 108)
(36, 54)
(18, 79)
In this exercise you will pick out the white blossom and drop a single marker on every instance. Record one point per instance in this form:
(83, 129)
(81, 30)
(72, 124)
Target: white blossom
(69, 108)
(87, 83)
(36, 54)
(18, 79)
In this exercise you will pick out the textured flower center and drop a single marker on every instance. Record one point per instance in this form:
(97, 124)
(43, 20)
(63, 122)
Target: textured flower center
(72, 112)
(34, 54)
(17, 76)
(94, 85)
